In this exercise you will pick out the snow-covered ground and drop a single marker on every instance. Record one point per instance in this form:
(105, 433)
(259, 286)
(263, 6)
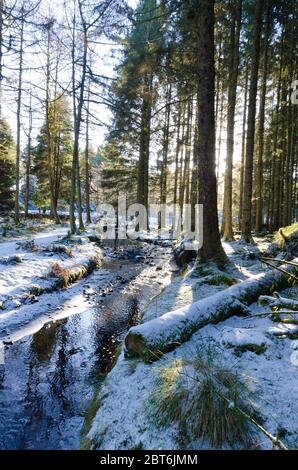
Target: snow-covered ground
(22, 313)
(264, 351)
(123, 420)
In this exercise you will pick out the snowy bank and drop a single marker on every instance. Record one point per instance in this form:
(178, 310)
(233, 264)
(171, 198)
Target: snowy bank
(160, 335)
(32, 271)
(264, 351)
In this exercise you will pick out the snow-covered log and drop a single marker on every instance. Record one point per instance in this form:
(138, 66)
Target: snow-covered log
(278, 302)
(160, 335)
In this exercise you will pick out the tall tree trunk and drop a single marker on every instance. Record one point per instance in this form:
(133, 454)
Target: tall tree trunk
(78, 108)
(294, 162)
(248, 174)
(212, 248)
(275, 217)
(219, 99)
(218, 76)
(28, 162)
(295, 166)
(165, 149)
(186, 162)
(242, 164)
(259, 172)
(194, 189)
(219, 139)
(1, 51)
(288, 180)
(79, 195)
(177, 152)
(50, 142)
(73, 190)
(144, 148)
(233, 67)
(19, 105)
(87, 168)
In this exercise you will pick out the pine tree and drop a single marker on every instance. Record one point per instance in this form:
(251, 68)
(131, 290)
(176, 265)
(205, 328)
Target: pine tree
(134, 93)
(7, 165)
(212, 248)
(251, 121)
(60, 160)
(227, 228)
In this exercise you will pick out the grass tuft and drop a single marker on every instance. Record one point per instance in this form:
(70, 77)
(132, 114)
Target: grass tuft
(201, 397)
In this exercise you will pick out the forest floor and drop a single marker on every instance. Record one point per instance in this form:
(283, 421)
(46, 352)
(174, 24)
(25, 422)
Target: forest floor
(263, 350)
(28, 295)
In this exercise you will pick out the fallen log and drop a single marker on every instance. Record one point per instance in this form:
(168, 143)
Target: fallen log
(64, 277)
(278, 302)
(152, 339)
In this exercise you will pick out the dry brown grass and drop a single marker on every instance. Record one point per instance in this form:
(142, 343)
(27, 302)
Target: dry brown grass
(60, 273)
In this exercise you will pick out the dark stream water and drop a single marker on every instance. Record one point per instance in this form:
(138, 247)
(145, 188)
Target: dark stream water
(49, 377)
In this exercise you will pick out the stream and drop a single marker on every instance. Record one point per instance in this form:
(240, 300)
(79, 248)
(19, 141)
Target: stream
(49, 377)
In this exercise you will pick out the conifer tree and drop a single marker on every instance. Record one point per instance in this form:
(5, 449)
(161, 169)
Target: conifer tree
(7, 165)
(60, 162)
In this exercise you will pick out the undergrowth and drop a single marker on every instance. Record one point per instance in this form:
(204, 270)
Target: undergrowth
(202, 397)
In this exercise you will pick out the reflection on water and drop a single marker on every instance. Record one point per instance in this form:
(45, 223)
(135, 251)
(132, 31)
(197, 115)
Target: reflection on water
(48, 378)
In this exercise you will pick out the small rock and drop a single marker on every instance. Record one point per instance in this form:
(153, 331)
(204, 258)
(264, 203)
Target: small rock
(73, 351)
(89, 291)
(15, 259)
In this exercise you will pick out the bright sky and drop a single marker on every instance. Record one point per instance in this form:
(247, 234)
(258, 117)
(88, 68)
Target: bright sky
(104, 64)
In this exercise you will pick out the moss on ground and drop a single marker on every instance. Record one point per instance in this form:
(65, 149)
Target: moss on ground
(255, 348)
(289, 232)
(218, 279)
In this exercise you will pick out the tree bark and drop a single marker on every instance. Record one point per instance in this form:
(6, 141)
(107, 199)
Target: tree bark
(1, 52)
(28, 162)
(50, 142)
(259, 172)
(144, 149)
(248, 174)
(233, 67)
(19, 105)
(165, 148)
(186, 162)
(78, 108)
(87, 167)
(177, 152)
(276, 164)
(242, 164)
(212, 248)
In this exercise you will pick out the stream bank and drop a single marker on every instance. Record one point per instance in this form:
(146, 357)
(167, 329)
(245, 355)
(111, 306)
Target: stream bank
(51, 372)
